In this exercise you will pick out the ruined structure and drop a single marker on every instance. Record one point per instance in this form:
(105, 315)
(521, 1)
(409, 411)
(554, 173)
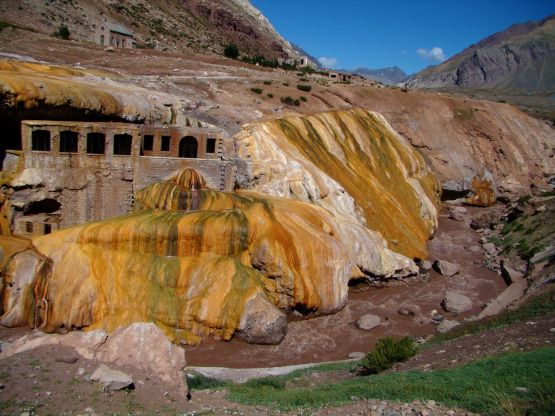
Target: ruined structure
(115, 35)
(75, 172)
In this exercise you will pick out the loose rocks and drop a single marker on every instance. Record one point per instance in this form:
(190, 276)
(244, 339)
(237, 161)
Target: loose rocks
(446, 268)
(456, 302)
(368, 322)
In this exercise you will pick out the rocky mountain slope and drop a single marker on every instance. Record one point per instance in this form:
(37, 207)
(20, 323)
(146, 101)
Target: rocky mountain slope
(391, 75)
(190, 25)
(523, 57)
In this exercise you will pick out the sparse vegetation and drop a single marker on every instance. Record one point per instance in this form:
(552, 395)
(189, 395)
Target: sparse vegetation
(463, 114)
(285, 84)
(199, 382)
(387, 352)
(469, 387)
(270, 95)
(303, 99)
(304, 87)
(257, 90)
(539, 305)
(62, 32)
(267, 82)
(288, 100)
(231, 51)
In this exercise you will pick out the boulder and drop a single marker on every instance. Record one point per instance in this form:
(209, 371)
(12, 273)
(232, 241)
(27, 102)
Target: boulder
(456, 302)
(357, 355)
(368, 322)
(262, 322)
(111, 379)
(546, 254)
(490, 248)
(446, 268)
(455, 214)
(145, 347)
(509, 274)
(446, 325)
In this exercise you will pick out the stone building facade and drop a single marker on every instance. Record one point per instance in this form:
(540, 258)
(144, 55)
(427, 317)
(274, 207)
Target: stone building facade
(75, 172)
(112, 34)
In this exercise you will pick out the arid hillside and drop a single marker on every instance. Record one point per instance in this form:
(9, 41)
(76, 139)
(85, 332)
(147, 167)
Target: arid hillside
(459, 136)
(204, 26)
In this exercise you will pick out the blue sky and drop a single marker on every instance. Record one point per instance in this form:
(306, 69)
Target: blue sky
(411, 34)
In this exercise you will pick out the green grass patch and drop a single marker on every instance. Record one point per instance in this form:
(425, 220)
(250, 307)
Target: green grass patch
(486, 386)
(387, 352)
(539, 305)
(197, 381)
(257, 90)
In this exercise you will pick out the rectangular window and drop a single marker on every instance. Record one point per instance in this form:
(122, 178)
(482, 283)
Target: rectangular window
(47, 228)
(122, 144)
(28, 227)
(96, 143)
(148, 142)
(40, 140)
(211, 146)
(165, 144)
(68, 141)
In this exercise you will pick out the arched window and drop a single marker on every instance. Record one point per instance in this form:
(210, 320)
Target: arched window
(188, 147)
(40, 140)
(102, 40)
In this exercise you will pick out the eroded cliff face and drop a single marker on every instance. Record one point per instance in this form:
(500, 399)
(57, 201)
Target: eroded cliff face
(353, 164)
(197, 262)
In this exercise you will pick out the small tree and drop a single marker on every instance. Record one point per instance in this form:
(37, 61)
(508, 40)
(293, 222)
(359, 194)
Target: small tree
(62, 32)
(231, 51)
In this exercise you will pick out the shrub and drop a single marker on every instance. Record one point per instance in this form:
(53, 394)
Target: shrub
(256, 90)
(285, 84)
(387, 352)
(200, 382)
(231, 51)
(62, 32)
(303, 99)
(267, 82)
(290, 101)
(304, 87)
(303, 79)
(270, 95)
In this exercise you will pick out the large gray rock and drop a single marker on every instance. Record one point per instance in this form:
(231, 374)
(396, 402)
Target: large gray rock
(111, 379)
(145, 347)
(368, 322)
(446, 268)
(446, 325)
(262, 322)
(456, 302)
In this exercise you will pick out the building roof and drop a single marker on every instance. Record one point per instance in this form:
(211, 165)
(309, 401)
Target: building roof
(113, 27)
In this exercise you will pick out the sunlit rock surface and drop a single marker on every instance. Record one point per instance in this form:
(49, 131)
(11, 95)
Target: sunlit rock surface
(200, 262)
(26, 85)
(353, 164)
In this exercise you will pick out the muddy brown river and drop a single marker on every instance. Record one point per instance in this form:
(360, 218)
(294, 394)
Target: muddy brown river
(332, 337)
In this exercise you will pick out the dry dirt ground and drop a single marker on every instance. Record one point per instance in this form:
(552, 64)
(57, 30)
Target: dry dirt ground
(40, 382)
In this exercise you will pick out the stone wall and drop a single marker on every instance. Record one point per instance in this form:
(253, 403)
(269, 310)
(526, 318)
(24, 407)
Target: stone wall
(94, 186)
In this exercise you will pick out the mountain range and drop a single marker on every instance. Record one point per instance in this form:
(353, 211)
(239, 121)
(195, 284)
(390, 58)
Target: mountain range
(520, 57)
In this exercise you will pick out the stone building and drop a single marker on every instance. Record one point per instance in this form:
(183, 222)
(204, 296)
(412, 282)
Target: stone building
(75, 172)
(115, 35)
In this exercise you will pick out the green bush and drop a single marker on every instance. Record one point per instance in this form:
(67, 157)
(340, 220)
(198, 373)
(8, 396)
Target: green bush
(285, 84)
(267, 82)
(256, 90)
(62, 32)
(290, 101)
(231, 51)
(304, 87)
(270, 95)
(303, 99)
(387, 352)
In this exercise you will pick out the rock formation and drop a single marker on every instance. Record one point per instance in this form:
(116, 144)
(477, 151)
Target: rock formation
(200, 262)
(351, 163)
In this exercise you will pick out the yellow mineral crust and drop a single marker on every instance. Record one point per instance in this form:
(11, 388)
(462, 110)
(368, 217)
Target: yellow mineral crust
(214, 270)
(340, 158)
(31, 84)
